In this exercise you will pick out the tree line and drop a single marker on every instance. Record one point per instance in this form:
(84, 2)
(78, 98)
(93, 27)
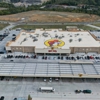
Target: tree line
(11, 9)
(75, 2)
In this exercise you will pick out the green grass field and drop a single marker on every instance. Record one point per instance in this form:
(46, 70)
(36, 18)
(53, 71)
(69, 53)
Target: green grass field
(98, 24)
(52, 27)
(3, 25)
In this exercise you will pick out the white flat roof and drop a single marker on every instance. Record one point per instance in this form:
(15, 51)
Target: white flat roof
(86, 39)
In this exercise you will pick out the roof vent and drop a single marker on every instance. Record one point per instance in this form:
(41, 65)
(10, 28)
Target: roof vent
(37, 35)
(63, 36)
(45, 34)
(77, 34)
(70, 40)
(35, 40)
(70, 35)
(56, 36)
(79, 39)
(24, 39)
(60, 37)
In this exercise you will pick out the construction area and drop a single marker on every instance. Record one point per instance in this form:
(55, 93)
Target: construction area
(49, 16)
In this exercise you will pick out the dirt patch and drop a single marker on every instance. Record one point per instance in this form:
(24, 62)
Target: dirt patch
(50, 16)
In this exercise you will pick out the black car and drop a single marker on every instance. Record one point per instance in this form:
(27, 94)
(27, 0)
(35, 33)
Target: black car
(87, 91)
(2, 97)
(11, 60)
(2, 77)
(13, 35)
(67, 58)
(43, 57)
(15, 98)
(58, 57)
(78, 91)
(61, 58)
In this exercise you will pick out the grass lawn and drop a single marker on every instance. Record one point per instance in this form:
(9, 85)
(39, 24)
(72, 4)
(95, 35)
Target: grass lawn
(3, 25)
(98, 24)
(52, 26)
(86, 27)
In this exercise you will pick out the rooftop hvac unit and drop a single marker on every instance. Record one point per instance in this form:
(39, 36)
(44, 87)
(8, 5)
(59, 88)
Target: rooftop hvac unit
(33, 37)
(35, 40)
(77, 34)
(56, 36)
(70, 40)
(24, 39)
(45, 33)
(30, 35)
(63, 36)
(37, 35)
(60, 37)
(79, 39)
(70, 35)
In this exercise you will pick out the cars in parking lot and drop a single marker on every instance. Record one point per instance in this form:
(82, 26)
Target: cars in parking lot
(95, 58)
(87, 91)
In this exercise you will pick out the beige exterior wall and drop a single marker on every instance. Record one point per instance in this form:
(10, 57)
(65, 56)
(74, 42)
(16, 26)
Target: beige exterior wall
(85, 49)
(22, 49)
(72, 50)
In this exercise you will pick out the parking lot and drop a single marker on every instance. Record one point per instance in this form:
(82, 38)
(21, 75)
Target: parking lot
(64, 88)
(7, 38)
(19, 56)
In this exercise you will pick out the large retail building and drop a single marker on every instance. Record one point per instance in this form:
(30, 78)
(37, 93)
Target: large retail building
(54, 41)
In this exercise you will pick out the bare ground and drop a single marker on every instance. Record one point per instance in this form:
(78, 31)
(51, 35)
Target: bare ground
(50, 16)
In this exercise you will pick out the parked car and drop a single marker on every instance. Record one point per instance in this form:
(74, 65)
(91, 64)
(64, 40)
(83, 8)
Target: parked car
(43, 57)
(13, 35)
(67, 58)
(87, 91)
(78, 91)
(45, 80)
(11, 60)
(2, 97)
(2, 77)
(15, 98)
(58, 57)
(61, 58)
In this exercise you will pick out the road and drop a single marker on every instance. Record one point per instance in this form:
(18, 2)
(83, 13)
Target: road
(49, 23)
(93, 26)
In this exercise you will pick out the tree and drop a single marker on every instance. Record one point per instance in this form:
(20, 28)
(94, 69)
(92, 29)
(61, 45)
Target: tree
(29, 97)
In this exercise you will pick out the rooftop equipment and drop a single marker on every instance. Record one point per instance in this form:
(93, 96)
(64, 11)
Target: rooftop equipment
(70, 40)
(79, 39)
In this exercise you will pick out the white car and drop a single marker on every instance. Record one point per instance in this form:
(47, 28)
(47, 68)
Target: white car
(50, 81)
(45, 80)
(56, 79)
(50, 78)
